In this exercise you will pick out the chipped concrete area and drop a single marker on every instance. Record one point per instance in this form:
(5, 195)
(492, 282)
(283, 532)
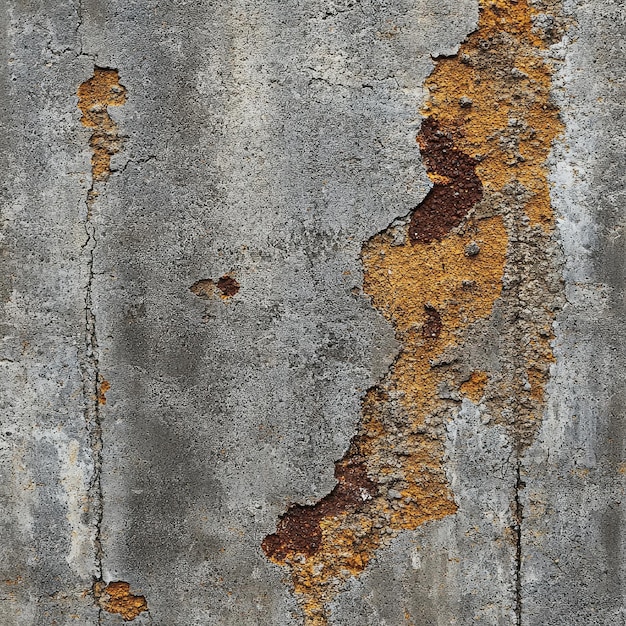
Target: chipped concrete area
(231, 290)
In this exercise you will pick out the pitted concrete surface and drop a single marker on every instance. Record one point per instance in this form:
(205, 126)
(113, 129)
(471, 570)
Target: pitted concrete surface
(574, 474)
(153, 434)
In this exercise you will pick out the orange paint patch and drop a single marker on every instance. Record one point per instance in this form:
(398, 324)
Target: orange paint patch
(474, 388)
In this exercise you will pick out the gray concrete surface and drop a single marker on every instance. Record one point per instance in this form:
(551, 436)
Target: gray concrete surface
(573, 565)
(270, 140)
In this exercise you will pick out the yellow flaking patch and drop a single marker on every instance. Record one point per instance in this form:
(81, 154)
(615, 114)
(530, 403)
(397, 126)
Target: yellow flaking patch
(493, 100)
(474, 387)
(95, 95)
(117, 598)
(511, 122)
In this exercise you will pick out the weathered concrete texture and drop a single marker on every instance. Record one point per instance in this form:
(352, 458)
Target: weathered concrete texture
(46, 559)
(573, 543)
(154, 434)
(460, 570)
(275, 139)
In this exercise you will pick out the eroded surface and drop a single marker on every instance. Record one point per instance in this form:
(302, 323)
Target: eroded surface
(268, 139)
(95, 95)
(478, 249)
(117, 598)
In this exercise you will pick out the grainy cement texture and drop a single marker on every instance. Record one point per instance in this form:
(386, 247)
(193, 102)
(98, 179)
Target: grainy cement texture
(269, 141)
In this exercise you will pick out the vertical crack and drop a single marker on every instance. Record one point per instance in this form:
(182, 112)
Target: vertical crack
(102, 90)
(92, 381)
(79, 16)
(519, 517)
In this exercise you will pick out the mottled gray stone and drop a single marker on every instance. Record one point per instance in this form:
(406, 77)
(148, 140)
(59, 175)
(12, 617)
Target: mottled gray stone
(46, 560)
(271, 145)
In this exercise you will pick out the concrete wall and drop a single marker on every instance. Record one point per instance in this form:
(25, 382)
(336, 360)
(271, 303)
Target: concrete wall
(220, 324)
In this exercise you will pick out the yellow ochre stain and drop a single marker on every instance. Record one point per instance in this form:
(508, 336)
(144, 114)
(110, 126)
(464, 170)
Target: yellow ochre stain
(103, 386)
(95, 95)
(492, 103)
(474, 387)
(117, 598)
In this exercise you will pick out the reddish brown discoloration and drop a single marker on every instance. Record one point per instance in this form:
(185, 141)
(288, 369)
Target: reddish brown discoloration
(205, 288)
(299, 530)
(103, 387)
(432, 326)
(228, 286)
(456, 190)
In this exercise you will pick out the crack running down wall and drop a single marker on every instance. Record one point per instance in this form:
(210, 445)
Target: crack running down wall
(95, 95)
(476, 260)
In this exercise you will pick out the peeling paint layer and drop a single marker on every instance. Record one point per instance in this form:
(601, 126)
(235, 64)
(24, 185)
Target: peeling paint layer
(477, 256)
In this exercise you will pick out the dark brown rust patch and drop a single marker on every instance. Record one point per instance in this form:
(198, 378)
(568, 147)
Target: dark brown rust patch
(299, 531)
(206, 288)
(228, 286)
(432, 326)
(456, 188)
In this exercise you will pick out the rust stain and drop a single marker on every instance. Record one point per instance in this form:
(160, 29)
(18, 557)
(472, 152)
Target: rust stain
(431, 329)
(227, 285)
(117, 598)
(456, 187)
(103, 387)
(300, 531)
(488, 129)
(95, 95)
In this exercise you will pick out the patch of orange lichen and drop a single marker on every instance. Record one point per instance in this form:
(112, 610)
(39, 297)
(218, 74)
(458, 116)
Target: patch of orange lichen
(117, 598)
(95, 95)
(491, 102)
